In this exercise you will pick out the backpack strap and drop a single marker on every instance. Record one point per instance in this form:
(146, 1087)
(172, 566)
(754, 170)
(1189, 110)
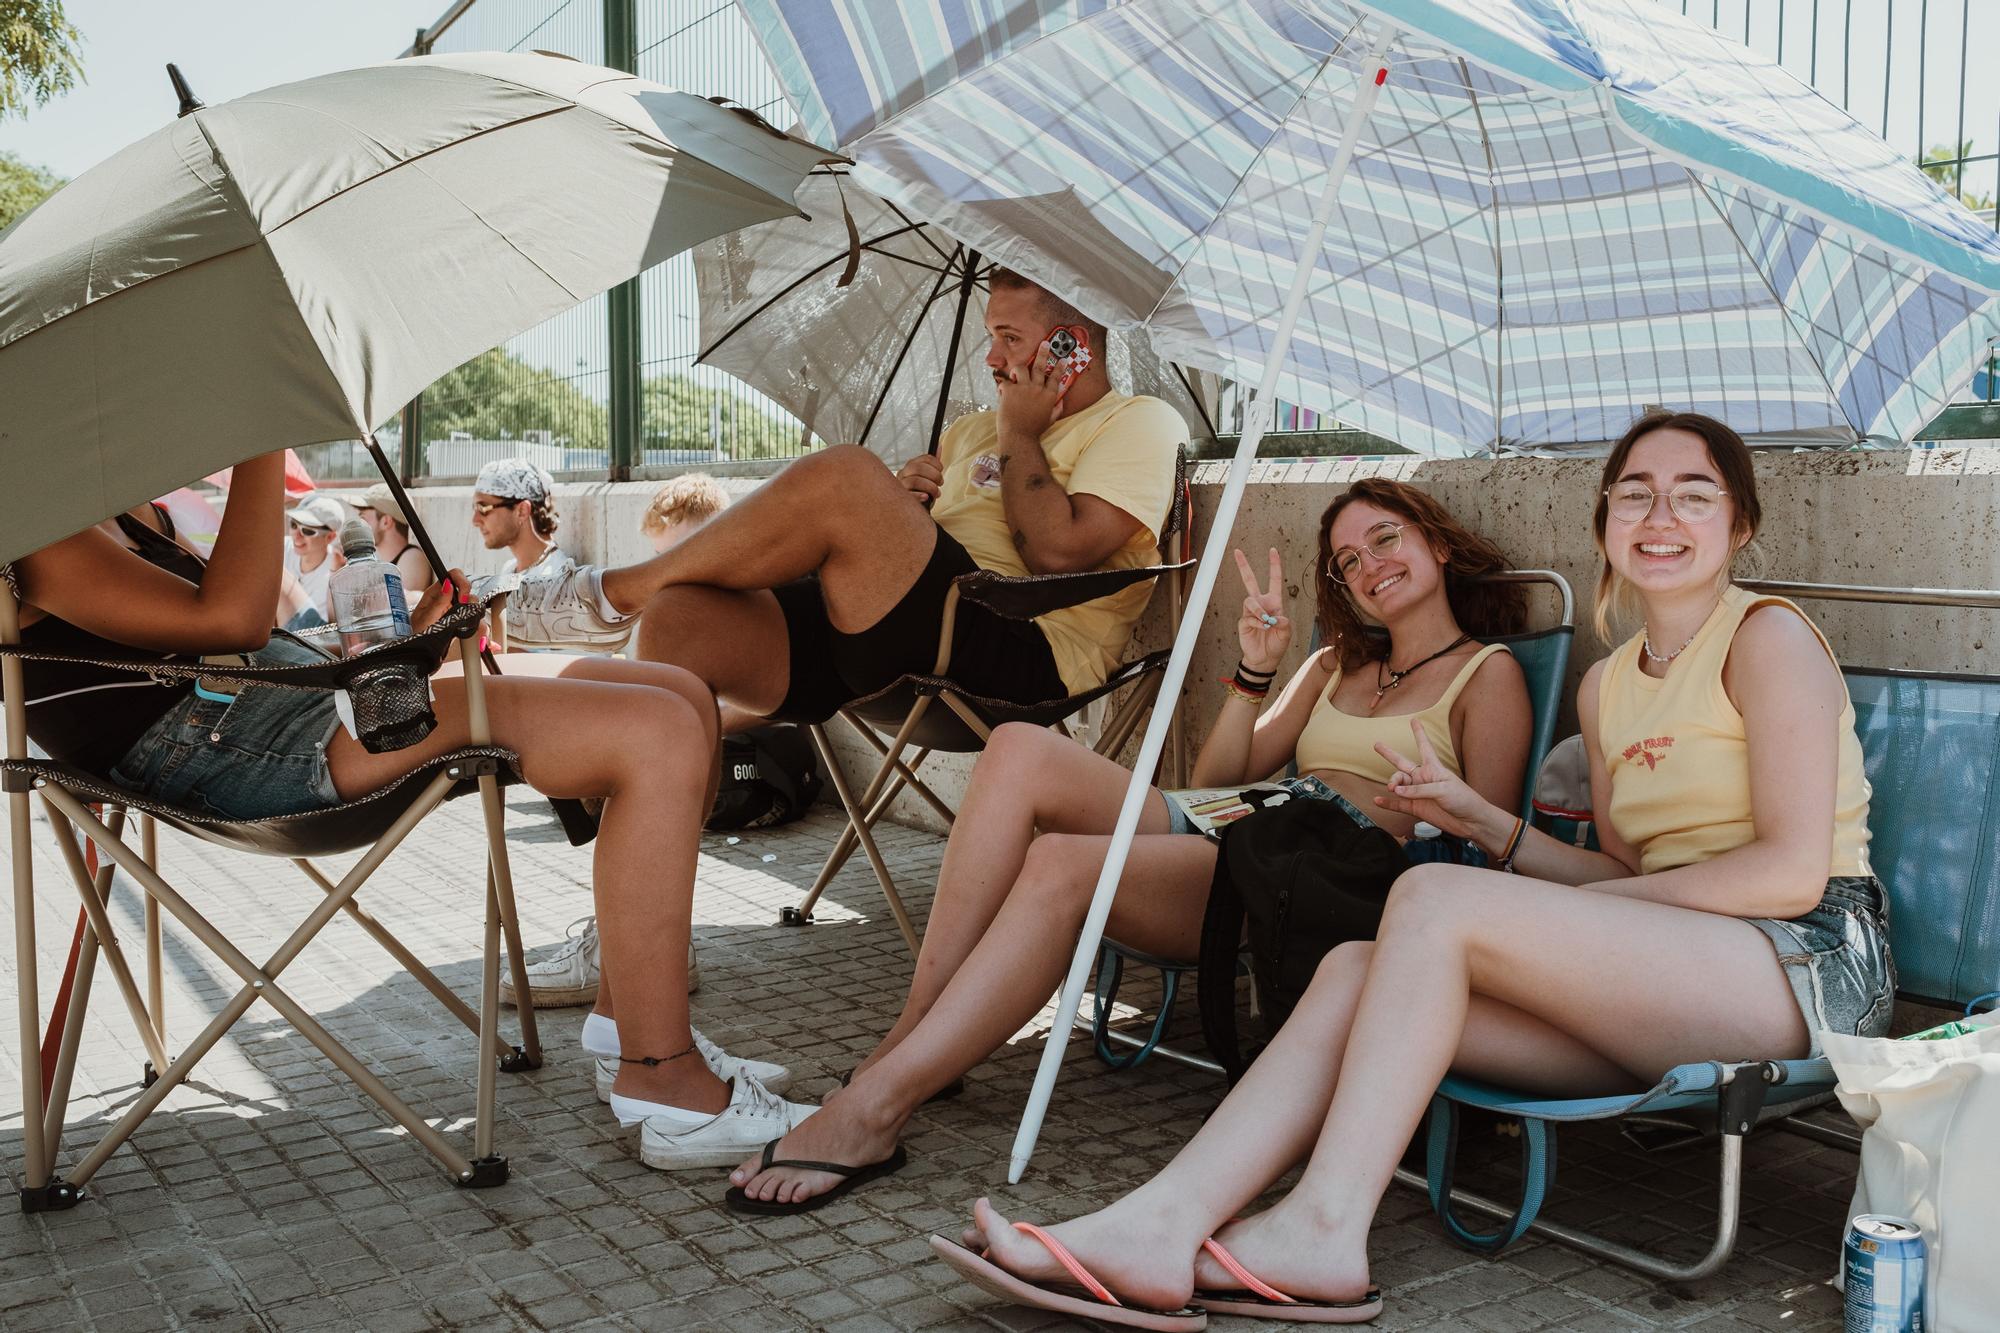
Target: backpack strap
(1215, 978)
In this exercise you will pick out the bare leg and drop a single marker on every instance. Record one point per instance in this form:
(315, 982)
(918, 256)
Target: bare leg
(736, 641)
(839, 513)
(649, 751)
(1002, 985)
(1027, 778)
(1510, 979)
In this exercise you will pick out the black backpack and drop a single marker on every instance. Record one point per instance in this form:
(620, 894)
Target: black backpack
(1307, 877)
(770, 775)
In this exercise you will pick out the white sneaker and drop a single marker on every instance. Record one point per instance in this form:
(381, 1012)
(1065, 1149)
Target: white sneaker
(560, 605)
(566, 977)
(755, 1115)
(721, 1063)
(569, 975)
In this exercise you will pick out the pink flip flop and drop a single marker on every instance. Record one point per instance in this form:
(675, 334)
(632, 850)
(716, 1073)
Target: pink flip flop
(1089, 1299)
(1261, 1300)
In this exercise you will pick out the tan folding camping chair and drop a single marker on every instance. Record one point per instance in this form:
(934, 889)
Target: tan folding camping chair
(388, 686)
(902, 711)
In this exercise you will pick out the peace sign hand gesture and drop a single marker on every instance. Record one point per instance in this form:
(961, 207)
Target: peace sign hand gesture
(1427, 790)
(1264, 631)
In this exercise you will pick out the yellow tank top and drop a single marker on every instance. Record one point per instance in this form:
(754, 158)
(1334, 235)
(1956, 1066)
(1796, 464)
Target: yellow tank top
(1343, 743)
(1680, 764)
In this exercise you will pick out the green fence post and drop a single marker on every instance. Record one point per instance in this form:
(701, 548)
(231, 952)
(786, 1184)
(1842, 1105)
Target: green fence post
(621, 51)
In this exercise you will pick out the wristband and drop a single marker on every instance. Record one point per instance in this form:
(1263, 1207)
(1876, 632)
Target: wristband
(1242, 691)
(1505, 861)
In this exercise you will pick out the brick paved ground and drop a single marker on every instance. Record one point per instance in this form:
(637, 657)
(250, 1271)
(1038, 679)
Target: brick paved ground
(270, 1195)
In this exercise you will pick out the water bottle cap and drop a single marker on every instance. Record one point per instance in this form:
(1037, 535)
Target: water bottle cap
(356, 541)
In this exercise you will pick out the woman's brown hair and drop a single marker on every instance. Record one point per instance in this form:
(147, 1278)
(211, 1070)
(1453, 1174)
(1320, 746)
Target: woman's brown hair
(1482, 610)
(1616, 602)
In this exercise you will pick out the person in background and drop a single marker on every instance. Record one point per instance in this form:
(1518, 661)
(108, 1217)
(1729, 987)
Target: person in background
(680, 508)
(385, 518)
(314, 528)
(514, 510)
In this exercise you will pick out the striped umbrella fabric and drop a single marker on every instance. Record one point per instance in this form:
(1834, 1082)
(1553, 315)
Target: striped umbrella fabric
(1559, 212)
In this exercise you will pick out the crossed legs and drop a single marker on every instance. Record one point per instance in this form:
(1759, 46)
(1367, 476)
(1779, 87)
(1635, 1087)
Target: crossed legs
(1543, 986)
(643, 737)
(839, 514)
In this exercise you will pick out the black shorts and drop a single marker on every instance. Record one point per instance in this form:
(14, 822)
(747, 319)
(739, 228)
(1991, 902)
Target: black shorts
(991, 656)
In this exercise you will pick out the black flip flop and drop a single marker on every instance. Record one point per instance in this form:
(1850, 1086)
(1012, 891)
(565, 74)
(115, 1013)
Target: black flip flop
(850, 1177)
(944, 1094)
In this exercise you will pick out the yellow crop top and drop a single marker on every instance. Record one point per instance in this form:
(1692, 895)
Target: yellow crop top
(1678, 760)
(1343, 743)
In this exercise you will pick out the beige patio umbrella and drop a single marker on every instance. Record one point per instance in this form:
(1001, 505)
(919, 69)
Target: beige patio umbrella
(293, 266)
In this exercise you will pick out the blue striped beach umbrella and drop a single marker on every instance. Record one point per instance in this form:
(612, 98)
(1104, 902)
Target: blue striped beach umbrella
(1471, 226)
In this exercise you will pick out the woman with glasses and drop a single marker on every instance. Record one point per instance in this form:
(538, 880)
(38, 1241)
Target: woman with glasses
(1402, 609)
(1731, 912)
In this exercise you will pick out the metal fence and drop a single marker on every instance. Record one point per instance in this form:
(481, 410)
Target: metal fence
(611, 389)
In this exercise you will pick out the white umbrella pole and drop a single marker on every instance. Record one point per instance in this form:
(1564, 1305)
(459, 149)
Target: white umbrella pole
(1204, 585)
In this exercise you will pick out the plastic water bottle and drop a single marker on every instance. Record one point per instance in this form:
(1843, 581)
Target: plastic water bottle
(367, 593)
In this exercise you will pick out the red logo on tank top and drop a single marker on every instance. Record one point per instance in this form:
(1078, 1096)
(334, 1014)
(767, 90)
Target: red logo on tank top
(1651, 750)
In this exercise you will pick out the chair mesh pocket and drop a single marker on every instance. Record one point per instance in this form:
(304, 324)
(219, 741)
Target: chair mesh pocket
(392, 707)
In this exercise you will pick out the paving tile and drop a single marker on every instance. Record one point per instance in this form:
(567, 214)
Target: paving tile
(269, 1195)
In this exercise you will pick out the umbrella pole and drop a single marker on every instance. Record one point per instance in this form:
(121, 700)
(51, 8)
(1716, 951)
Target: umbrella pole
(1191, 623)
(965, 286)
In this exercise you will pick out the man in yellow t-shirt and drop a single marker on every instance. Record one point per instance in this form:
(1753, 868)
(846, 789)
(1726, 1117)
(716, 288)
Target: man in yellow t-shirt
(829, 581)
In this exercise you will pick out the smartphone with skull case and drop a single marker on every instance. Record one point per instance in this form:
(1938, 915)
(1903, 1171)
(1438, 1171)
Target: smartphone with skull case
(1069, 348)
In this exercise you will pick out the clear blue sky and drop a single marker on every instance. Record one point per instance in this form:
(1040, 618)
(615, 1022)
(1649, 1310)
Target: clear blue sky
(225, 48)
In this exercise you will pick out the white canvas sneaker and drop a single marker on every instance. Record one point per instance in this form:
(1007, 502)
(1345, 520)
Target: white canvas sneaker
(755, 1115)
(569, 975)
(774, 1077)
(557, 606)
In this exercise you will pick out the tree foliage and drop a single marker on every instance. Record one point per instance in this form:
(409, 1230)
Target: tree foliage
(1942, 163)
(38, 54)
(22, 187)
(498, 396)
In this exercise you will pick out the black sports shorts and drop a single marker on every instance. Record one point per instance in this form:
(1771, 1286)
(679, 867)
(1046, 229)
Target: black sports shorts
(991, 656)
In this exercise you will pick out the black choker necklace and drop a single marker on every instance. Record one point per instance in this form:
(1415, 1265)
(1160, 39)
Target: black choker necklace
(1382, 687)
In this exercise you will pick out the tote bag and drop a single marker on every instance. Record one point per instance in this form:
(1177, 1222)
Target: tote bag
(1930, 1151)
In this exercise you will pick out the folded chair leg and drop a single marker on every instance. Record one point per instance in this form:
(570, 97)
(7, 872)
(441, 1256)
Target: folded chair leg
(156, 991)
(396, 949)
(843, 848)
(904, 772)
(65, 1067)
(856, 821)
(107, 939)
(261, 982)
(489, 1168)
(529, 1055)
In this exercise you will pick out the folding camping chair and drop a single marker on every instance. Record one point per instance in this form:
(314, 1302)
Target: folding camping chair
(1935, 846)
(378, 823)
(1544, 658)
(903, 711)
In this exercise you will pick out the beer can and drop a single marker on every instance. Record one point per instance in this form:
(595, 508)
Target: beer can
(1884, 1265)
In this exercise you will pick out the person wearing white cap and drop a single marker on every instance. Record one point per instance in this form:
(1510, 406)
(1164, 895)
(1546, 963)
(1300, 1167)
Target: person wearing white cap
(385, 518)
(514, 509)
(312, 525)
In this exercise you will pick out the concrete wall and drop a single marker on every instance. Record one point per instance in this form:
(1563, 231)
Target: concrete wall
(1921, 518)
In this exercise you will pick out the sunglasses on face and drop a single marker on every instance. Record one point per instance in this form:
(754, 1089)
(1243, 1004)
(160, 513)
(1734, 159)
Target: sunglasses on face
(481, 508)
(307, 530)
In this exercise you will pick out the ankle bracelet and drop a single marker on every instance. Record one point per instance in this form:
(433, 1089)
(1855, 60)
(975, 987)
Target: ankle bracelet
(651, 1060)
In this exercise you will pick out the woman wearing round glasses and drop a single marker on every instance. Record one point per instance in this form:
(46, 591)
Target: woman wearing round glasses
(1731, 913)
(1399, 602)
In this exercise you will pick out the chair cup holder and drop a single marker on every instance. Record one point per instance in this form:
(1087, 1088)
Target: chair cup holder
(392, 705)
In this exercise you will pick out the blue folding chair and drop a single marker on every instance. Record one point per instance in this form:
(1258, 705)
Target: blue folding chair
(1544, 658)
(1935, 845)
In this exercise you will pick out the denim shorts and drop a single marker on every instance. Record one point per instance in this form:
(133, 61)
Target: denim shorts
(1837, 959)
(258, 755)
(1421, 851)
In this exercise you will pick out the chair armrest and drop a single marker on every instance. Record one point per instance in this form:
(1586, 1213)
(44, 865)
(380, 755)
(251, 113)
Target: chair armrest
(425, 651)
(1026, 596)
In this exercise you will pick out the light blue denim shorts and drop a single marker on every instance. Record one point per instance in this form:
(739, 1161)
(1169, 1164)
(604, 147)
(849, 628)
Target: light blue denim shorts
(1455, 851)
(1836, 958)
(258, 755)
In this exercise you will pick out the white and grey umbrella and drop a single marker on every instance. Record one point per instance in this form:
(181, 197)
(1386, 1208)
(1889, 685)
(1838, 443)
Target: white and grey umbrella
(864, 321)
(291, 267)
